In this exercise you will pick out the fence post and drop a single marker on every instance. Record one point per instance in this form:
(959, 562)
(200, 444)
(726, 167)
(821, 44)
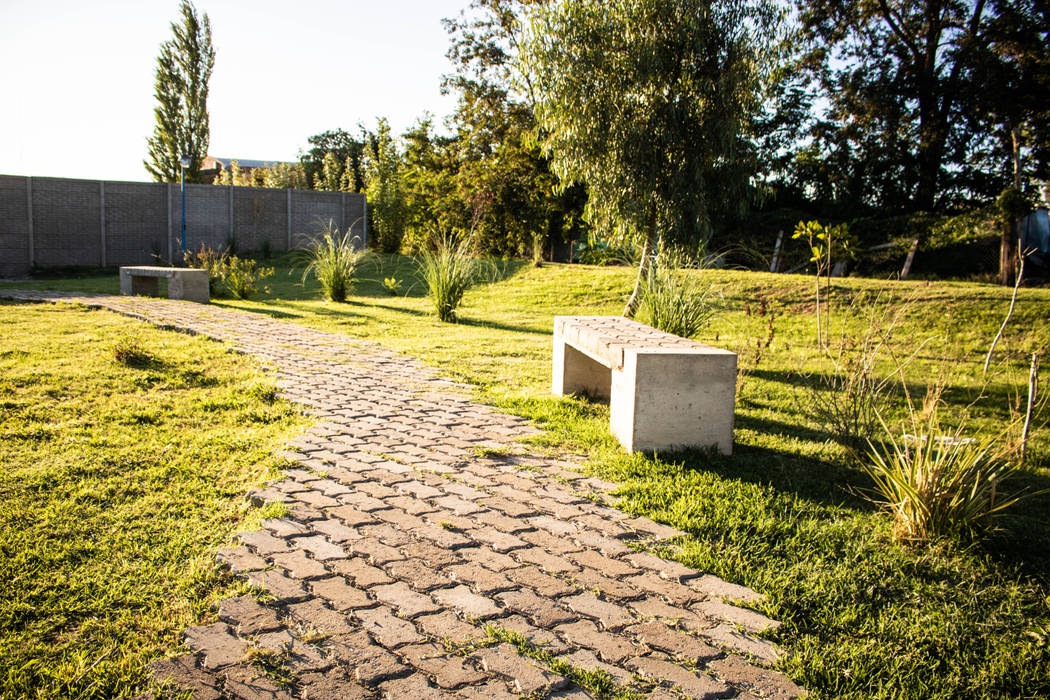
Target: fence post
(171, 249)
(29, 209)
(288, 208)
(365, 219)
(102, 221)
(229, 208)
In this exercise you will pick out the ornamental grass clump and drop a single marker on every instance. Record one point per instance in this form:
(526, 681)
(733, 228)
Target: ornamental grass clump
(941, 484)
(333, 260)
(448, 270)
(674, 297)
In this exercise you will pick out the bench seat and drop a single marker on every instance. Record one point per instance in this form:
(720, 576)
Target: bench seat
(664, 392)
(183, 282)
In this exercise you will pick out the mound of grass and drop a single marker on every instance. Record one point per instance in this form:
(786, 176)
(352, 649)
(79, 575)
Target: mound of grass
(120, 478)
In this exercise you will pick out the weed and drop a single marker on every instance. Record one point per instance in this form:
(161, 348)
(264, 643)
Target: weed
(241, 277)
(333, 260)
(129, 350)
(392, 285)
(211, 260)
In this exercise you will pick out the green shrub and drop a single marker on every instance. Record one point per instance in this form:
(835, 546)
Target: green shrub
(597, 251)
(333, 260)
(241, 277)
(674, 298)
(941, 484)
(211, 260)
(392, 285)
(448, 271)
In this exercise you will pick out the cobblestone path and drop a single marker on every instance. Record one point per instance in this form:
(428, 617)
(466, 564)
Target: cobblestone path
(413, 523)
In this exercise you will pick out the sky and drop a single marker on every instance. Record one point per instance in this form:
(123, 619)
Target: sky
(77, 81)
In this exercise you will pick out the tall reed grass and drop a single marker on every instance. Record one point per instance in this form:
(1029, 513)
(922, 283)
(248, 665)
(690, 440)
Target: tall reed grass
(449, 269)
(674, 296)
(333, 259)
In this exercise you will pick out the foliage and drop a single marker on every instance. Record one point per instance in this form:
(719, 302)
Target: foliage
(285, 176)
(241, 277)
(206, 258)
(921, 99)
(333, 260)
(385, 191)
(448, 270)
(675, 298)
(595, 250)
(181, 126)
(346, 149)
(330, 177)
(129, 350)
(119, 482)
(825, 243)
(392, 285)
(936, 482)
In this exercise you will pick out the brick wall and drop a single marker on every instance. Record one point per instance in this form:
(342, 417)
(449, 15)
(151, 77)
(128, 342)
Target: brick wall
(57, 222)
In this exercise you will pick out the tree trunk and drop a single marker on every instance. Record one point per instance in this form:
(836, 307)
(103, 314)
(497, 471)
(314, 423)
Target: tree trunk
(1008, 242)
(643, 267)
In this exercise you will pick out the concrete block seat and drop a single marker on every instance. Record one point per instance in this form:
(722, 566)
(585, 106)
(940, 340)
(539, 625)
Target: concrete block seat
(664, 392)
(183, 282)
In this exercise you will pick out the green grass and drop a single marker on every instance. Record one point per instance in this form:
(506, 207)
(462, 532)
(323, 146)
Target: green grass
(863, 616)
(118, 482)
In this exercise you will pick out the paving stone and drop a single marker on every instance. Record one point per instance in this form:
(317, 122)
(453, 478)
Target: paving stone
(322, 619)
(607, 566)
(492, 690)
(610, 647)
(466, 602)
(729, 636)
(332, 685)
(362, 502)
(351, 516)
(246, 615)
(501, 542)
(670, 570)
(277, 584)
(446, 626)
(546, 585)
(278, 642)
(263, 542)
(335, 530)
(415, 686)
(432, 555)
(484, 556)
(418, 575)
(298, 565)
(654, 608)
(361, 573)
(183, 673)
(548, 562)
(554, 544)
(410, 505)
(218, 644)
(441, 536)
(540, 637)
(252, 684)
(609, 588)
(654, 529)
(672, 592)
(375, 551)
(385, 533)
(717, 588)
(369, 663)
(765, 682)
(340, 595)
(514, 509)
(610, 615)
(694, 685)
(282, 527)
(540, 611)
(606, 545)
(418, 489)
(399, 518)
(587, 661)
(479, 579)
(447, 670)
(317, 499)
(526, 675)
(748, 619)
(678, 644)
(404, 600)
(553, 525)
(241, 559)
(388, 630)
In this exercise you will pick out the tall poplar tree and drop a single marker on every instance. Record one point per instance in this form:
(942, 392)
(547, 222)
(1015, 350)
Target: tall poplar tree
(181, 126)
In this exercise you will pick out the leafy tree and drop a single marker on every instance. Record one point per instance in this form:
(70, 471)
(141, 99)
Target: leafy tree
(331, 175)
(923, 97)
(648, 102)
(384, 188)
(181, 126)
(432, 201)
(348, 151)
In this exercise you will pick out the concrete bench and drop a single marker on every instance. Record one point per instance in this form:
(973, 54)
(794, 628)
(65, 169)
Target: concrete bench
(183, 282)
(664, 392)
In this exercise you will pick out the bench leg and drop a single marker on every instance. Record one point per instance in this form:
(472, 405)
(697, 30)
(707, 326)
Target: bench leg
(576, 373)
(667, 402)
(145, 286)
(189, 287)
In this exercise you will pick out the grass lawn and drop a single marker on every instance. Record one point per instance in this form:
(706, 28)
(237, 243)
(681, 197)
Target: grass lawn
(863, 616)
(117, 484)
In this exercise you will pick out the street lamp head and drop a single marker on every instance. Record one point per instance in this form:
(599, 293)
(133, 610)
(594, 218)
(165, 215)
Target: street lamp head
(185, 160)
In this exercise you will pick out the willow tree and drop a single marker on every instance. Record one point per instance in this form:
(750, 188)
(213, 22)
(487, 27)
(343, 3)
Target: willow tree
(181, 124)
(649, 103)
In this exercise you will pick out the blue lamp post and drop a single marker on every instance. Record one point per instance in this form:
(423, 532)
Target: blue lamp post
(185, 163)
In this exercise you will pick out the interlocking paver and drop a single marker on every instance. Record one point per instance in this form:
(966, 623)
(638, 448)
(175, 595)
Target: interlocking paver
(390, 508)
